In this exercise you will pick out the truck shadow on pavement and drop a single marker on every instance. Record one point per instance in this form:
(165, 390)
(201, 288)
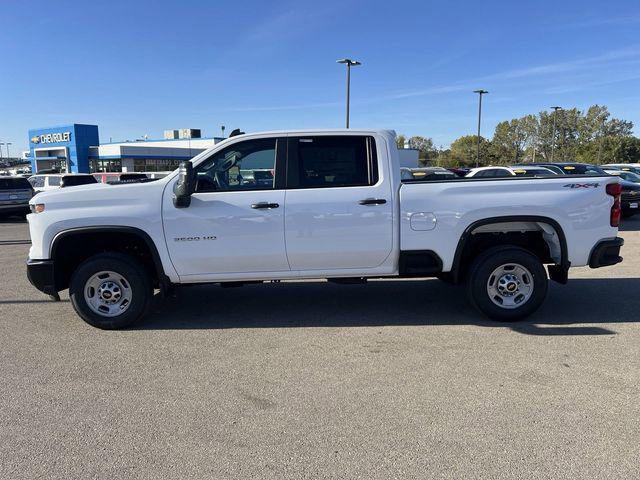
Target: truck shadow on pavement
(584, 307)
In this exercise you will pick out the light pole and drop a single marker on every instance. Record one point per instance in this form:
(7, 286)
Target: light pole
(8, 156)
(349, 63)
(553, 139)
(480, 93)
(222, 128)
(1, 157)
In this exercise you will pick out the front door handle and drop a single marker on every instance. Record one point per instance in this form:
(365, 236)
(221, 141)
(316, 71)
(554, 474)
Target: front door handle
(372, 201)
(265, 205)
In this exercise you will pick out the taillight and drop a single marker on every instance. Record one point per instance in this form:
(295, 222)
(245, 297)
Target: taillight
(615, 189)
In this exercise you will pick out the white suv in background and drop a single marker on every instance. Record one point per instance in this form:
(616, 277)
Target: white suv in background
(53, 181)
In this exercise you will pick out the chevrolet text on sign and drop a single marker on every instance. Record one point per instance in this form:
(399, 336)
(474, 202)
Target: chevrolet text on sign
(52, 137)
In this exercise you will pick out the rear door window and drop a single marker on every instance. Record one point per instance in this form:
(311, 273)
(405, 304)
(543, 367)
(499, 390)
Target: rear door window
(332, 161)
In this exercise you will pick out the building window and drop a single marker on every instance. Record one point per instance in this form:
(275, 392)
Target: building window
(155, 164)
(105, 165)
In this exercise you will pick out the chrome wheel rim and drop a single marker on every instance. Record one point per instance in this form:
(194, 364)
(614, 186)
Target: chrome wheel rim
(108, 294)
(510, 286)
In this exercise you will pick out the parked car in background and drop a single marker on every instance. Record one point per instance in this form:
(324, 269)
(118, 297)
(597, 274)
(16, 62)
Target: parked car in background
(490, 172)
(550, 166)
(628, 176)
(532, 171)
(569, 168)
(119, 177)
(156, 175)
(625, 167)
(43, 183)
(460, 171)
(427, 174)
(630, 198)
(15, 193)
(259, 177)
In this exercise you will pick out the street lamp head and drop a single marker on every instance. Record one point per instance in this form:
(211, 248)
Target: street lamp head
(348, 61)
(556, 108)
(481, 92)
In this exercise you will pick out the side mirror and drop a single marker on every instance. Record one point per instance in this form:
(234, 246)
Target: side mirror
(185, 186)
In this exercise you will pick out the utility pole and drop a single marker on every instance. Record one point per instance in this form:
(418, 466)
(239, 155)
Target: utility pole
(480, 93)
(349, 63)
(553, 139)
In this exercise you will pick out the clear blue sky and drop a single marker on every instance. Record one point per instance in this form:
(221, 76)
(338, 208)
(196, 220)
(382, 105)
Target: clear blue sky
(139, 67)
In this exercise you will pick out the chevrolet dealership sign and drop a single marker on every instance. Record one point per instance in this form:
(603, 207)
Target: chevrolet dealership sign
(52, 137)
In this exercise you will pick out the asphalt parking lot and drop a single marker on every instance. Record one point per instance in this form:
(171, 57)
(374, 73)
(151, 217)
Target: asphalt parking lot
(395, 379)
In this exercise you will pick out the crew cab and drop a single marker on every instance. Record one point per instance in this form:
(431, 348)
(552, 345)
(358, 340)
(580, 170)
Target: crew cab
(334, 208)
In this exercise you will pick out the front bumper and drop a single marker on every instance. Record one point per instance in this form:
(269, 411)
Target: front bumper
(41, 275)
(606, 252)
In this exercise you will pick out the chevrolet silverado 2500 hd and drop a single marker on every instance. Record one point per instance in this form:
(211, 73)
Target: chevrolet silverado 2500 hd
(317, 204)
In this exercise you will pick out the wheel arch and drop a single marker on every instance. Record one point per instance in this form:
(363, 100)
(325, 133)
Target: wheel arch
(558, 271)
(62, 239)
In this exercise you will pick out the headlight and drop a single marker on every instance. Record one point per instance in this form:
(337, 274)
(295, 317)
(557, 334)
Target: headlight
(37, 207)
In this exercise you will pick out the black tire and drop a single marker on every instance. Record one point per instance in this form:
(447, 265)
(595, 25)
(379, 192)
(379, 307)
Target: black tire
(482, 269)
(135, 275)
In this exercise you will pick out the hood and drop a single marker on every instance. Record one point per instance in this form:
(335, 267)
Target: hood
(70, 190)
(98, 194)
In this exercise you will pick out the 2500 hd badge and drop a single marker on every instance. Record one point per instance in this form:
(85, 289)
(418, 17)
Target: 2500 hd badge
(194, 239)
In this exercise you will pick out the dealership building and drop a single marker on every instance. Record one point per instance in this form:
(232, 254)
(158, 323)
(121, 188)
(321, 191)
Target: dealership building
(76, 148)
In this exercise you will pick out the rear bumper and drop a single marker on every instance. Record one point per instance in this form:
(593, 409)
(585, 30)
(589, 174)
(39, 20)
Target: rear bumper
(41, 275)
(605, 253)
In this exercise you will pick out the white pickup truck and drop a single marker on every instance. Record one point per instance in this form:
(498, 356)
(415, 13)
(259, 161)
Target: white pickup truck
(317, 204)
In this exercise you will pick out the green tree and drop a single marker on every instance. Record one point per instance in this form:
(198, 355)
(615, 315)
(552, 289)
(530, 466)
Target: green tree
(511, 138)
(611, 149)
(401, 140)
(427, 151)
(464, 150)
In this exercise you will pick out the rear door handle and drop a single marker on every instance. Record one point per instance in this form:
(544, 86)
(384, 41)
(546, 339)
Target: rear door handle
(265, 205)
(372, 201)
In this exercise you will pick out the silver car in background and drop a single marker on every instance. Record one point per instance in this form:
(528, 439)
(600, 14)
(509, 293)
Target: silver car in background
(15, 193)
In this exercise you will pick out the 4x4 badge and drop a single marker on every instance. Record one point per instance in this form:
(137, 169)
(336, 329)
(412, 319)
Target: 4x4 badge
(581, 185)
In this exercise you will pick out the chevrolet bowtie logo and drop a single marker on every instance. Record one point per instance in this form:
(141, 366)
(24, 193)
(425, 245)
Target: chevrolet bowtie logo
(35, 139)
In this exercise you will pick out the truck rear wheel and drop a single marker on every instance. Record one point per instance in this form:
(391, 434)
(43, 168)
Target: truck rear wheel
(110, 291)
(507, 283)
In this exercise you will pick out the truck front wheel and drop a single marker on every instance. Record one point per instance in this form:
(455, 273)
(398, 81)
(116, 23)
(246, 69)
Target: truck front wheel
(110, 291)
(507, 283)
